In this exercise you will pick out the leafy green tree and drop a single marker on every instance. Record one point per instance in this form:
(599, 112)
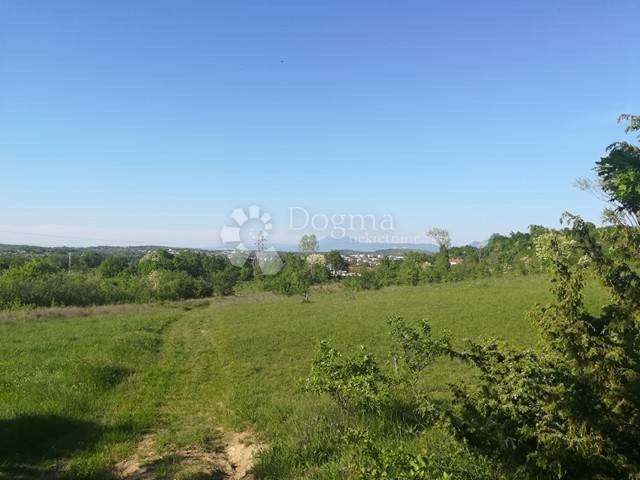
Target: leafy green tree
(619, 179)
(336, 262)
(90, 260)
(156, 260)
(38, 267)
(293, 279)
(317, 273)
(112, 266)
(195, 264)
(224, 282)
(442, 265)
(619, 174)
(308, 244)
(369, 280)
(386, 273)
(411, 270)
(442, 238)
(504, 253)
(172, 285)
(248, 272)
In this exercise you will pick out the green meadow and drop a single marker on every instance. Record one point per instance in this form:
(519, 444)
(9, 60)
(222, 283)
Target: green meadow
(162, 391)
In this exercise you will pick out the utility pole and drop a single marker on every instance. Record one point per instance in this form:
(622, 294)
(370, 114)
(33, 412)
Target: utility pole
(260, 242)
(69, 262)
(259, 248)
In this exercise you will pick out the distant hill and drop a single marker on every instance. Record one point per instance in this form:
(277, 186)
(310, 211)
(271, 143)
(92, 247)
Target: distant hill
(479, 244)
(349, 245)
(132, 251)
(345, 245)
(328, 244)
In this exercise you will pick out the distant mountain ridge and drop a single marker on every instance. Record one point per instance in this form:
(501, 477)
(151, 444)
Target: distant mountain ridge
(328, 243)
(479, 244)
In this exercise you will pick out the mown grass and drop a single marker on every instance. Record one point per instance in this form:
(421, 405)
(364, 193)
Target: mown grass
(78, 394)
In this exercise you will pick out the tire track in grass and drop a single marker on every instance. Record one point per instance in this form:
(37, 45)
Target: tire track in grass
(188, 440)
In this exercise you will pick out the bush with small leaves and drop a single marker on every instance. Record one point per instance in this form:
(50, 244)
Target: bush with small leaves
(571, 409)
(355, 383)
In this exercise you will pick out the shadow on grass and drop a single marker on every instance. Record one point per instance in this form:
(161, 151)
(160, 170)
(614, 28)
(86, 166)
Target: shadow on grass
(31, 443)
(38, 447)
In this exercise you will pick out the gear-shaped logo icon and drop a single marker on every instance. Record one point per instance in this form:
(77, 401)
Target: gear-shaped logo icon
(248, 236)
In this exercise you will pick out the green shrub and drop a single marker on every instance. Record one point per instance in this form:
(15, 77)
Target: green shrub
(571, 409)
(355, 383)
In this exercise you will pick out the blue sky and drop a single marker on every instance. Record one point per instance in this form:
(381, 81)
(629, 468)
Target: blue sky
(149, 122)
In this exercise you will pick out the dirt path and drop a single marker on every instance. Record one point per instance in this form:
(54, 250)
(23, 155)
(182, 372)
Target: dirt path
(192, 438)
(232, 461)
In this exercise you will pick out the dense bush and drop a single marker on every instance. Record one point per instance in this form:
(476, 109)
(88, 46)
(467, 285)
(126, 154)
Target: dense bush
(572, 409)
(355, 383)
(298, 274)
(45, 281)
(392, 394)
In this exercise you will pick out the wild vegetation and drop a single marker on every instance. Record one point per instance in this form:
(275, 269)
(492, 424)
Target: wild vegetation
(31, 277)
(569, 408)
(80, 394)
(490, 377)
(48, 280)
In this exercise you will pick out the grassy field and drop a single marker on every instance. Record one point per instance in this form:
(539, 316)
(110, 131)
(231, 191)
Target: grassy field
(190, 390)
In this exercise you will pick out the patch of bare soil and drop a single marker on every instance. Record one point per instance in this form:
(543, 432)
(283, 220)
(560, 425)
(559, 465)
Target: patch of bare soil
(136, 466)
(232, 461)
(239, 453)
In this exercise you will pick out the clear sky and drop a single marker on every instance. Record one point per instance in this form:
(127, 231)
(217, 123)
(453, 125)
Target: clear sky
(150, 121)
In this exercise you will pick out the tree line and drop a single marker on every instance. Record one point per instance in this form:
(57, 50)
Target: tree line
(53, 277)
